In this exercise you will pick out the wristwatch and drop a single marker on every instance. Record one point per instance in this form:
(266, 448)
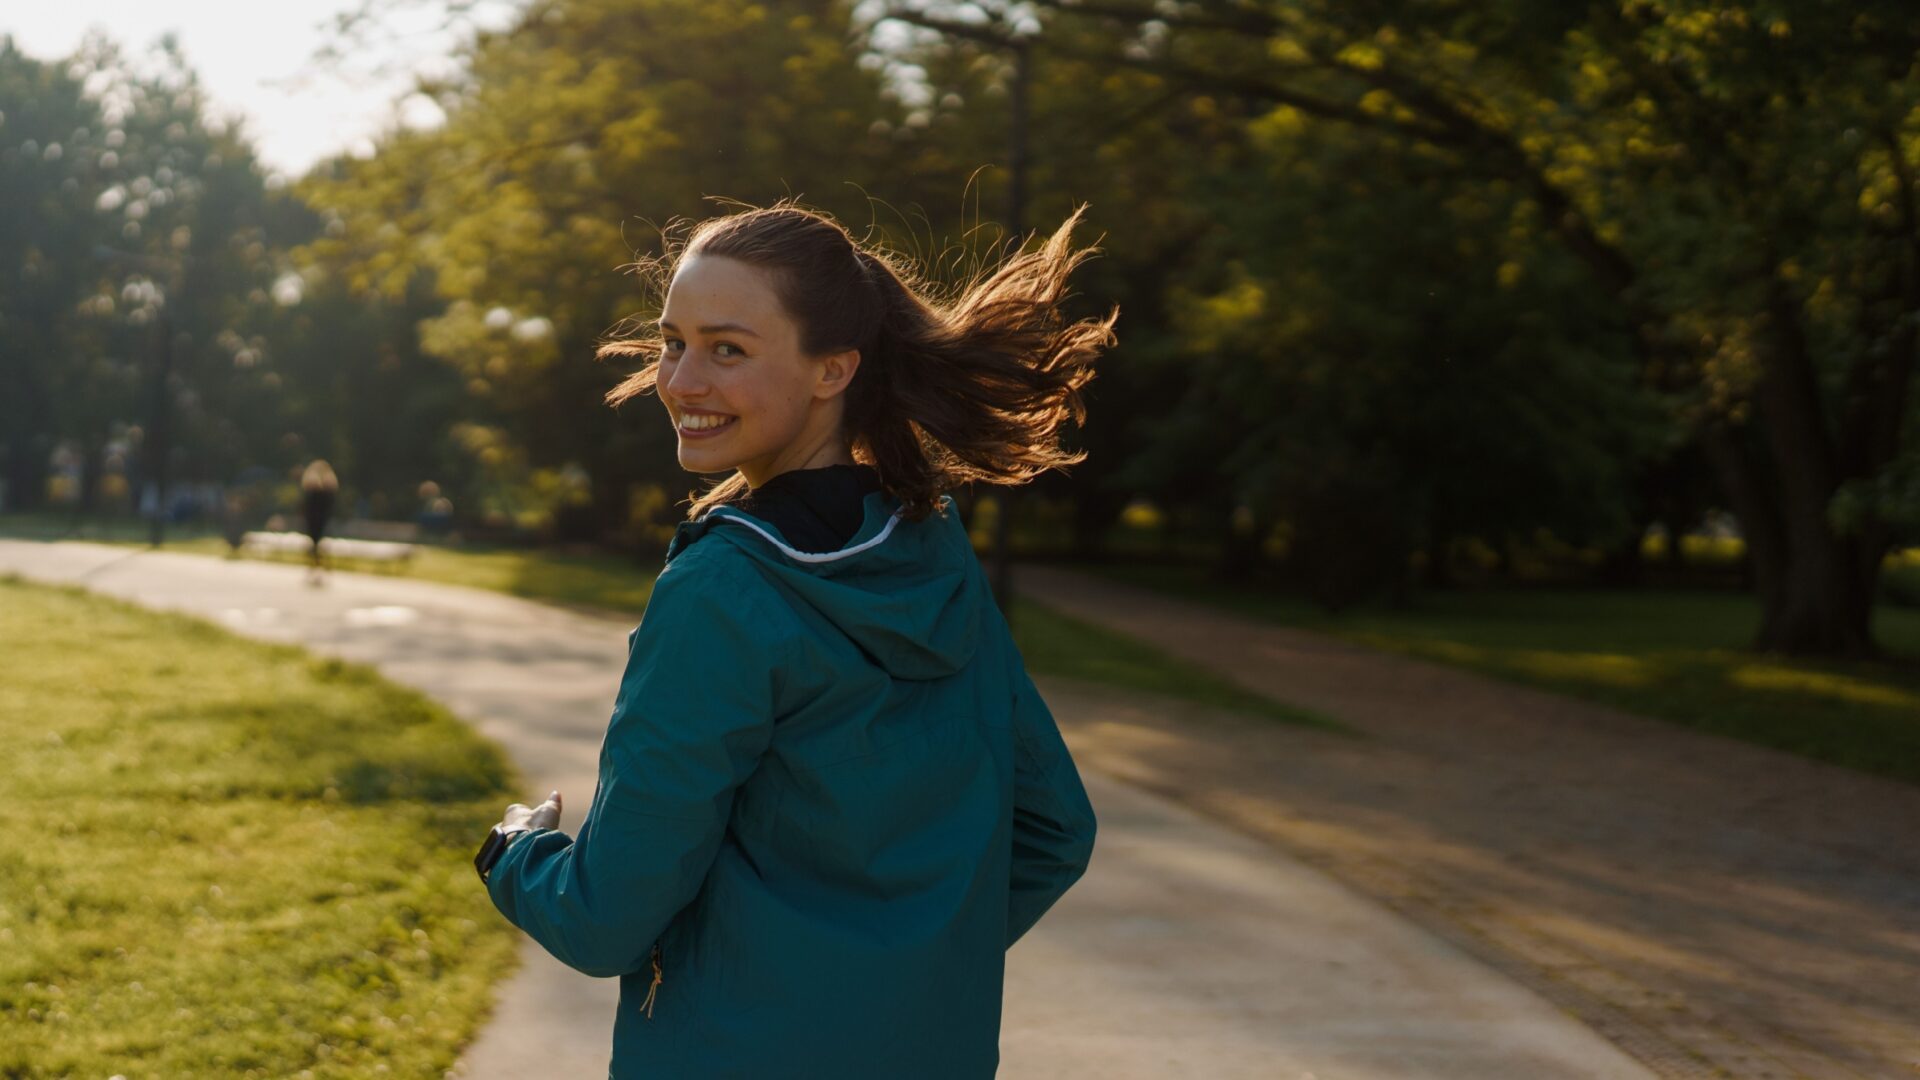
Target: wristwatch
(496, 846)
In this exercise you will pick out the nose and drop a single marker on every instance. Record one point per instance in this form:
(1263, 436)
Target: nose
(684, 381)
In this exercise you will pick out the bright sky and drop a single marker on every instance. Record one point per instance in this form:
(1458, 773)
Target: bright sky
(254, 58)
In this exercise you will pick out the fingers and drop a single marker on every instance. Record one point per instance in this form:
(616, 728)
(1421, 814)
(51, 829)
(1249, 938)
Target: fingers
(547, 814)
(544, 816)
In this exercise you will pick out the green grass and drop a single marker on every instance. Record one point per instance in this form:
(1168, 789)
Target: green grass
(1052, 643)
(592, 580)
(1057, 644)
(228, 859)
(601, 581)
(1678, 656)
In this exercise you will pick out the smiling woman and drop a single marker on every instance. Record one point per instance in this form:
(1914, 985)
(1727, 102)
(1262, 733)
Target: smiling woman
(785, 344)
(830, 798)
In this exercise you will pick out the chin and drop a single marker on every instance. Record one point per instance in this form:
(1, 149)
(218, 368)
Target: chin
(703, 465)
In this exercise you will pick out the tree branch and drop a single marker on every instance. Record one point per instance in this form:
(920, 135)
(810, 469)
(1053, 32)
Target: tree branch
(1191, 78)
(1447, 126)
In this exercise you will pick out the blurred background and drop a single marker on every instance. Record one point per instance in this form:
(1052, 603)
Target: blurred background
(1567, 344)
(1414, 297)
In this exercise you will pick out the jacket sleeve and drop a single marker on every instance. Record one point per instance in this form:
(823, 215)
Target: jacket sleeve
(693, 716)
(1053, 823)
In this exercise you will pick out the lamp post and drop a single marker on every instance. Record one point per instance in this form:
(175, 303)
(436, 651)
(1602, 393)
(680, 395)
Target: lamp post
(1017, 153)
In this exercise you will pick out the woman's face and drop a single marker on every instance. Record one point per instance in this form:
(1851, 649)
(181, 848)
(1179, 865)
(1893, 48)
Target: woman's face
(731, 364)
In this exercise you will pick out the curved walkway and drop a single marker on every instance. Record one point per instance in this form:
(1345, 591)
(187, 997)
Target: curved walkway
(1188, 950)
(1713, 908)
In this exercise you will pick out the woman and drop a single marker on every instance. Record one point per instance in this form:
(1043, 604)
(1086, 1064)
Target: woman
(829, 796)
(318, 489)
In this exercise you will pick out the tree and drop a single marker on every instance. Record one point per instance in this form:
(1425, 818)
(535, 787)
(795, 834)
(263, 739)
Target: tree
(1742, 193)
(50, 144)
(569, 138)
(137, 225)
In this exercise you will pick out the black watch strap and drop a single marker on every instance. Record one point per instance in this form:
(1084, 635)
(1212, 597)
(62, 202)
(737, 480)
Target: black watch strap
(496, 846)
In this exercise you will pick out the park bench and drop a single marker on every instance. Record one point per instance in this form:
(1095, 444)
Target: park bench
(393, 532)
(334, 548)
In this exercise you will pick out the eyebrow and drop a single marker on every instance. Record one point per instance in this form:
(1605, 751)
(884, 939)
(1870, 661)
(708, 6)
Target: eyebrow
(717, 328)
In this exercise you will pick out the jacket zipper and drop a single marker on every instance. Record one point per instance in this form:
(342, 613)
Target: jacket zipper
(656, 980)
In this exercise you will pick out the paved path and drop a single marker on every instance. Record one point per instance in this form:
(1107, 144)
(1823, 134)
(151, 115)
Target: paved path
(1712, 907)
(1188, 950)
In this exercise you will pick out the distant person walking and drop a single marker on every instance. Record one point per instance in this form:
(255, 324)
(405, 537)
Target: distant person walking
(318, 490)
(830, 797)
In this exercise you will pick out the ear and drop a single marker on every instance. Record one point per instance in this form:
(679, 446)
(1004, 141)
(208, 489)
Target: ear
(835, 373)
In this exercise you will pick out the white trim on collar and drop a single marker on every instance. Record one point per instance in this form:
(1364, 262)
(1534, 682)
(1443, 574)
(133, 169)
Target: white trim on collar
(792, 552)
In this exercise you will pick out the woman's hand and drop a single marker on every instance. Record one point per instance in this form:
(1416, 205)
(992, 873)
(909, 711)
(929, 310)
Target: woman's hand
(544, 816)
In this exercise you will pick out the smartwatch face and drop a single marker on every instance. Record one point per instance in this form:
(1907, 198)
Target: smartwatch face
(490, 852)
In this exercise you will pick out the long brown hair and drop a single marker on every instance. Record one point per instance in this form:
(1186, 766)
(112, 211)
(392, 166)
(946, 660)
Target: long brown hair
(975, 388)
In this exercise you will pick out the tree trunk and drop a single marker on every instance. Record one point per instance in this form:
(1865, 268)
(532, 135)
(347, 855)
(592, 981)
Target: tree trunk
(92, 465)
(1826, 605)
(1094, 512)
(1815, 588)
(1438, 571)
(1675, 557)
(1240, 551)
(26, 477)
(1505, 561)
(1623, 565)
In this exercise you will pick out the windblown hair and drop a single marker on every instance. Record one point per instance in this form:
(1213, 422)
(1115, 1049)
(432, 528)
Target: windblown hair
(947, 393)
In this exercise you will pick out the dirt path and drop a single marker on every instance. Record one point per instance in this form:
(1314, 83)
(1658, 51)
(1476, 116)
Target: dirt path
(1713, 908)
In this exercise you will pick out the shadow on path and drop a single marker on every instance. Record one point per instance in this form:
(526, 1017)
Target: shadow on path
(1711, 907)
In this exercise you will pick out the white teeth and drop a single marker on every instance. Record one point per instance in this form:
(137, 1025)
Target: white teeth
(695, 422)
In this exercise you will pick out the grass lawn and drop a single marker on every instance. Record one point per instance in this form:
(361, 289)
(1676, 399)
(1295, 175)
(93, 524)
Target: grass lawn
(228, 859)
(1678, 656)
(1056, 644)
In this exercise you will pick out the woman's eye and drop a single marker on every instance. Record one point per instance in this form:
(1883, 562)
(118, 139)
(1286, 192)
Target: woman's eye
(675, 346)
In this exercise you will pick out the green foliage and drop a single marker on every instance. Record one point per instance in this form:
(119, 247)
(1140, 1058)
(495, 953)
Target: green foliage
(135, 218)
(1736, 181)
(1392, 275)
(49, 130)
(244, 862)
(568, 141)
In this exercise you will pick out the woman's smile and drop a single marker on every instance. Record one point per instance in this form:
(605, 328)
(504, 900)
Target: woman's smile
(704, 425)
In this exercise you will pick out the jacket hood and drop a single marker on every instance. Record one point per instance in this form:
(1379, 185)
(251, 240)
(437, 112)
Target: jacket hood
(903, 591)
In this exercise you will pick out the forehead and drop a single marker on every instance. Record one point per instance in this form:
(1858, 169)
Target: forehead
(711, 289)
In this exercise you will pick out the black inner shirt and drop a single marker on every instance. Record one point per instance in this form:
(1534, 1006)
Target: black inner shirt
(817, 510)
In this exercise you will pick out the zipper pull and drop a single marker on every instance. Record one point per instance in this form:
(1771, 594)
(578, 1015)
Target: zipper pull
(656, 981)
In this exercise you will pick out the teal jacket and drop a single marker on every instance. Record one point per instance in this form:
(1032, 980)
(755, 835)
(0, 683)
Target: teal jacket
(829, 800)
